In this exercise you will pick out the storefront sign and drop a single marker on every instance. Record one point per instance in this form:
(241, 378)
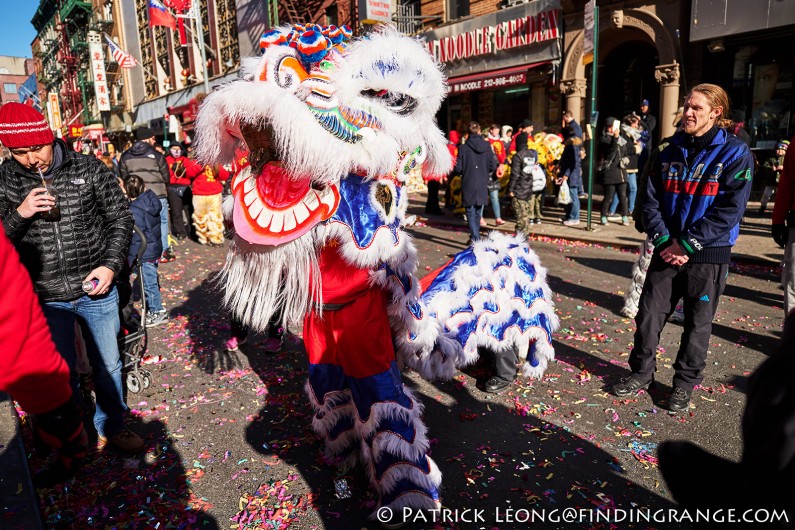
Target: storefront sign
(98, 71)
(485, 82)
(504, 36)
(375, 11)
(508, 38)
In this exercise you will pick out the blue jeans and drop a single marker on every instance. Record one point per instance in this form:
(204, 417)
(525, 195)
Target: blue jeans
(98, 317)
(632, 193)
(495, 203)
(164, 222)
(573, 208)
(154, 302)
(474, 214)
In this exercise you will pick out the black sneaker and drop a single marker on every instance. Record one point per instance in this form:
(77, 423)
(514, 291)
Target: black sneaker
(679, 399)
(630, 385)
(497, 385)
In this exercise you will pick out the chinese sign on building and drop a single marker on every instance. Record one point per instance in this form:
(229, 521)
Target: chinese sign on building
(98, 71)
(54, 110)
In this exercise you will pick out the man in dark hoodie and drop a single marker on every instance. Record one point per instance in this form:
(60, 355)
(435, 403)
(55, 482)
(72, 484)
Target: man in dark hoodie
(150, 166)
(476, 162)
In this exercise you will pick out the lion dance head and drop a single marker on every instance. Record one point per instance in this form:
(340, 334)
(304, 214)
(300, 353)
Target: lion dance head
(315, 107)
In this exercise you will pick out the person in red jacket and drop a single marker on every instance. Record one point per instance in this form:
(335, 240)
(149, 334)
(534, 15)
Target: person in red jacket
(33, 371)
(182, 171)
(208, 220)
(784, 224)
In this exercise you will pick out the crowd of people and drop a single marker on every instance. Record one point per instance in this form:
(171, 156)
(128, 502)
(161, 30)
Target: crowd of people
(74, 265)
(529, 164)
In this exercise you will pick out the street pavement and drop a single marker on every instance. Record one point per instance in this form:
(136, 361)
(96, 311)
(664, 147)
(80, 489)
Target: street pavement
(229, 437)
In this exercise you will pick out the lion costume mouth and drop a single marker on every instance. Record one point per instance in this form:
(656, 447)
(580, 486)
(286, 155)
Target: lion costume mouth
(272, 208)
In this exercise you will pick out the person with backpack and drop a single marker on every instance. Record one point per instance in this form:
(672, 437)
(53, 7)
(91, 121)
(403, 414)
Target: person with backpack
(526, 187)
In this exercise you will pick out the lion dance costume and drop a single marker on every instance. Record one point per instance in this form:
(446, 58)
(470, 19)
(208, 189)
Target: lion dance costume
(333, 128)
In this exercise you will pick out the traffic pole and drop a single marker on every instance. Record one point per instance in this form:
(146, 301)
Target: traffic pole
(594, 119)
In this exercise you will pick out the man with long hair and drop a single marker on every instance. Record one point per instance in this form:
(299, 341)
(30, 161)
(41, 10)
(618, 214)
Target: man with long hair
(695, 198)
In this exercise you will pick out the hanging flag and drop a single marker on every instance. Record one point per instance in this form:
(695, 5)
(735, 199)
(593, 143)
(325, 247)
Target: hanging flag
(124, 59)
(160, 16)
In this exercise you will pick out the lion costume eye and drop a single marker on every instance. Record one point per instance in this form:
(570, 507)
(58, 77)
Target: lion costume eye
(401, 104)
(289, 73)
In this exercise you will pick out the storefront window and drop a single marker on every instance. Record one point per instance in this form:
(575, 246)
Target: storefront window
(770, 108)
(458, 8)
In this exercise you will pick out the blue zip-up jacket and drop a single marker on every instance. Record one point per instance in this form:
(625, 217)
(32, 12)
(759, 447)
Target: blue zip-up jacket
(146, 210)
(699, 204)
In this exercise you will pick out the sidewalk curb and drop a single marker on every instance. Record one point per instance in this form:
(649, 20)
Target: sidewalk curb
(736, 257)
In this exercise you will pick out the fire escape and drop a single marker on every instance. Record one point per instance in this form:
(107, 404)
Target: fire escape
(304, 11)
(73, 56)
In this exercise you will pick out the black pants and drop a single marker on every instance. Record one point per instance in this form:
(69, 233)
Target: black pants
(432, 204)
(240, 330)
(177, 205)
(700, 285)
(610, 190)
(505, 365)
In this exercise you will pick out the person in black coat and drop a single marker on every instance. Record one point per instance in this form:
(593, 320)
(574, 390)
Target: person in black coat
(476, 162)
(613, 161)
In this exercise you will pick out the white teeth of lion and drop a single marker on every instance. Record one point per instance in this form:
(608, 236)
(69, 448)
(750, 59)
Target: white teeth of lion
(289, 221)
(255, 208)
(250, 197)
(327, 198)
(264, 218)
(241, 176)
(277, 223)
(248, 185)
(311, 200)
(301, 212)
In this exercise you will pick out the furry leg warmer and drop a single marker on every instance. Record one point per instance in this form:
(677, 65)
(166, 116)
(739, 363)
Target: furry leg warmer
(639, 269)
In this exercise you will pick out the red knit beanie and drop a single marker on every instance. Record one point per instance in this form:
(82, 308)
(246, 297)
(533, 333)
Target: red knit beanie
(23, 126)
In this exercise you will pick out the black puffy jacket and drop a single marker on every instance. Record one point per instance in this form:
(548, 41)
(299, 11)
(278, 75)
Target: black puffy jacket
(94, 229)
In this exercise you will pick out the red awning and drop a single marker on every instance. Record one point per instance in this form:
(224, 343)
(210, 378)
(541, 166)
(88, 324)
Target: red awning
(515, 75)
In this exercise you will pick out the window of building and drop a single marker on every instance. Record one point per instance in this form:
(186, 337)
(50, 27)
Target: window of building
(332, 15)
(772, 95)
(9, 88)
(458, 8)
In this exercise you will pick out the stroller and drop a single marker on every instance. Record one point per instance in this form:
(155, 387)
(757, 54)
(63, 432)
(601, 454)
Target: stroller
(132, 337)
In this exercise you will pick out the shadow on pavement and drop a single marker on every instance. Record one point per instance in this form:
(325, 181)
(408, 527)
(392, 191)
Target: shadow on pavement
(149, 490)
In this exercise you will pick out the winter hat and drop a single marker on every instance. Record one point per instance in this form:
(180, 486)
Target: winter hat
(521, 141)
(23, 126)
(144, 133)
(644, 103)
(783, 144)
